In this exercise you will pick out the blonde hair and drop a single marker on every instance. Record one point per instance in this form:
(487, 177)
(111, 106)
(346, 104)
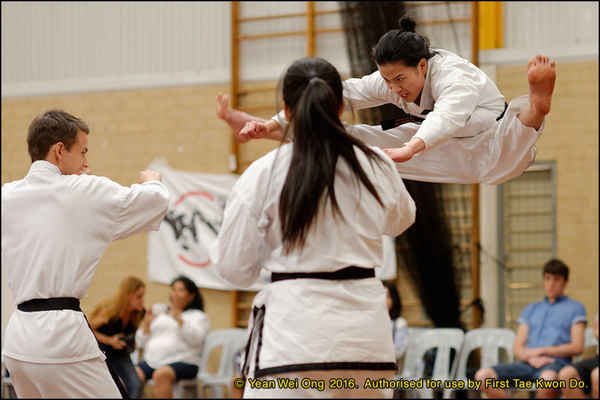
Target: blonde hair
(110, 308)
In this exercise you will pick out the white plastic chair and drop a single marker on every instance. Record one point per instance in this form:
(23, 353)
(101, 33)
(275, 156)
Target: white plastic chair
(444, 339)
(588, 341)
(490, 341)
(231, 340)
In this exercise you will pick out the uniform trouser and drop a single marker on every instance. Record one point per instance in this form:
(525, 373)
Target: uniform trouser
(325, 384)
(81, 379)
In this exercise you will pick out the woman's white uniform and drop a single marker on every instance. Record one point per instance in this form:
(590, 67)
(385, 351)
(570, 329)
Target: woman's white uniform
(314, 327)
(55, 229)
(465, 142)
(168, 342)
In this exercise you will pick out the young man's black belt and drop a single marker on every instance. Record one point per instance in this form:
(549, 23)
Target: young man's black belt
(351, 272)
(55, 303)
(67, 303)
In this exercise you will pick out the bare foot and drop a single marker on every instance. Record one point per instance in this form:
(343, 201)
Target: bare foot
(541, 76)
(234, 118)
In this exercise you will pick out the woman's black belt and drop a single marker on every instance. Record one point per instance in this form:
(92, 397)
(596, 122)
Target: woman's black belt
(55, 303)
(351, 272)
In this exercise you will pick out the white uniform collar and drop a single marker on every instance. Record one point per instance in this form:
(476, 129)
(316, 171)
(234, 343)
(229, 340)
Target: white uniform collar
(43, 166)
(426, 100)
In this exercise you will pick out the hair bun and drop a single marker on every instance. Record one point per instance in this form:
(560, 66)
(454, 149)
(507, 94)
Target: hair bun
(407, 24)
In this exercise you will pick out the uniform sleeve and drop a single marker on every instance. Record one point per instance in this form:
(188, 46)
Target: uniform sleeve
(579, 314)
(366, 92)
(400, 210)
(457, 95)
(142, 207)
(236, 252)
(525, 316)
(195, 327)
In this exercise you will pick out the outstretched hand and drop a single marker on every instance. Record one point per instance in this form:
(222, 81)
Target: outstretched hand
(406, 152)
(253, 130)
(399, 154)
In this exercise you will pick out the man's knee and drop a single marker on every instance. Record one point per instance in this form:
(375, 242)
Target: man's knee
(567, 372)
(485, 373)
(548, 375)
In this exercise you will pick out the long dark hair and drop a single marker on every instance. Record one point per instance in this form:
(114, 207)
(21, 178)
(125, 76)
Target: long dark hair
(403, 45)
(312, 91)
(197, 302)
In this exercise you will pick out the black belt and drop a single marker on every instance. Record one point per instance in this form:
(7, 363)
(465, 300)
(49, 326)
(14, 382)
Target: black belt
(351, 272)
(405, 118)
(55, 303)
(68, 303)
(503, 111)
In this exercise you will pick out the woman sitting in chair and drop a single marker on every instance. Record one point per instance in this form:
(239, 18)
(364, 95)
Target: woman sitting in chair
(172, 338)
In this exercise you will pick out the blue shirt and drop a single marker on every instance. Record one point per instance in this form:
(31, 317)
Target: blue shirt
(550, 324)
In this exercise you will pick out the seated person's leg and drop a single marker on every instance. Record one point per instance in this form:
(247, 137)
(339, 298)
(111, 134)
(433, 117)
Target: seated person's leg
(566, 374)
(495, 380)
(547, 393)
(594, 379)
(579, 371)
(163, 378)
(144, 372)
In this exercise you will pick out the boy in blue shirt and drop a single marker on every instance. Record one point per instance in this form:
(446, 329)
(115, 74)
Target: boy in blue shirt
(550, 332)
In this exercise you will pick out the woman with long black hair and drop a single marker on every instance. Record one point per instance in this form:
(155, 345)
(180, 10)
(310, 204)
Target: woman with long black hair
(312, 212)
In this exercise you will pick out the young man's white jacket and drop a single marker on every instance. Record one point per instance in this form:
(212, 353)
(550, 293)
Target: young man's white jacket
(55, 229)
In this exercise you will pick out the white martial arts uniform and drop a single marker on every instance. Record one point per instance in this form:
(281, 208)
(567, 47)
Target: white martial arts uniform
(492, 157)
(462, 104)
(460, 99)
(168, 342)
(314, 327)
(55, 229)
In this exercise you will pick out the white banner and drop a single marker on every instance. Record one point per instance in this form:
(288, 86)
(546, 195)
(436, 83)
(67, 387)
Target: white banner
(192, 223)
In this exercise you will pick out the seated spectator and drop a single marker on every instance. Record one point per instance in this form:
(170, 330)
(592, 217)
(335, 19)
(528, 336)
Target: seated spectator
(585, 370)
(550, 332)
(399, 325)
(114, 322)
(172, 338)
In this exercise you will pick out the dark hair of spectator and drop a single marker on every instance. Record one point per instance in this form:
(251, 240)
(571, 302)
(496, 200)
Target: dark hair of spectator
(197, 302)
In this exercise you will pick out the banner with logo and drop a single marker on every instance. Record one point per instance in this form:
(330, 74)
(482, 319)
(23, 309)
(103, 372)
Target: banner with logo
(192, 223)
